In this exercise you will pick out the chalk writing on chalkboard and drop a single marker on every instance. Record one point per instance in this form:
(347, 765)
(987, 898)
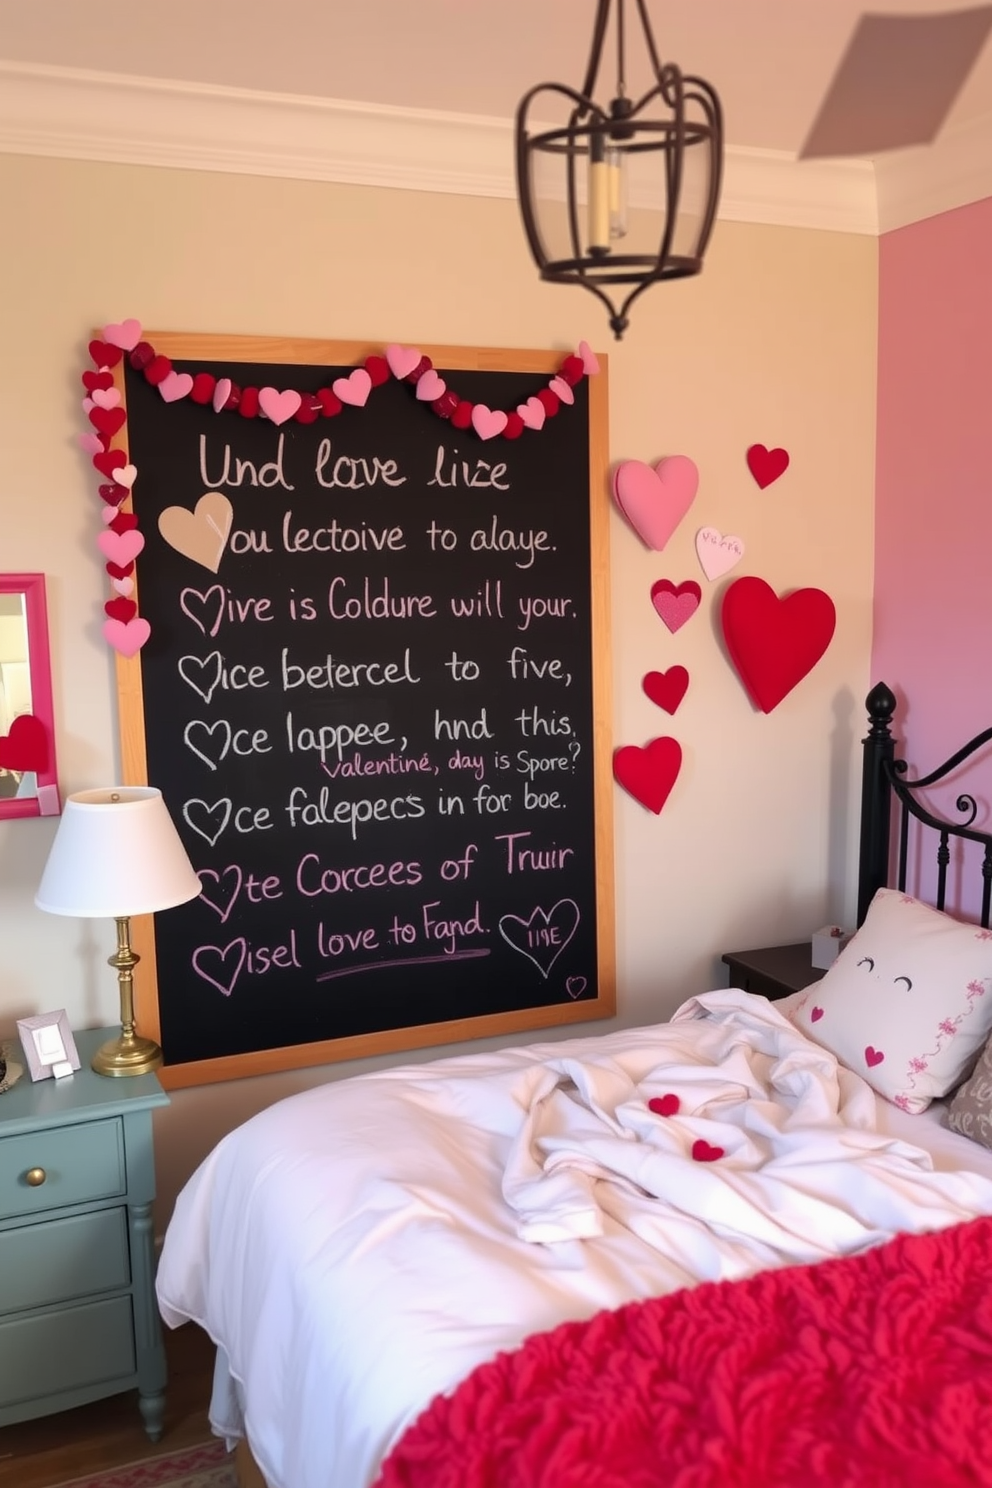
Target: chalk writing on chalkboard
(374, 699)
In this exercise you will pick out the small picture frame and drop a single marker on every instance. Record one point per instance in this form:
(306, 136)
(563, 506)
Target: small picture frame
(49, 1048)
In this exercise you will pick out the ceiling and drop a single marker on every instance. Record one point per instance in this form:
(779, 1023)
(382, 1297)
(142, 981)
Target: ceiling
(771, 61)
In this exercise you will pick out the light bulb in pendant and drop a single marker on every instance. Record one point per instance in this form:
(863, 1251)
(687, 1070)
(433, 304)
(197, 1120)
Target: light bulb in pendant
(598, 226)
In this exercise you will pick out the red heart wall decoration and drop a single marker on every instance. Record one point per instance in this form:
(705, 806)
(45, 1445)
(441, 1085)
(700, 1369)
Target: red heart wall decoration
(766, 465)
(667, 689)
(675, 603)
(774, 642)
(648, 774)
(26, 746)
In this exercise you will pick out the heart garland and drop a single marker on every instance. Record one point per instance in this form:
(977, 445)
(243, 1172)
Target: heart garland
(120, 543)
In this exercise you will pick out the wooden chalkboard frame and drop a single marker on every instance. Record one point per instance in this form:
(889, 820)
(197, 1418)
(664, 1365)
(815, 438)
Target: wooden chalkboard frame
(263, 350)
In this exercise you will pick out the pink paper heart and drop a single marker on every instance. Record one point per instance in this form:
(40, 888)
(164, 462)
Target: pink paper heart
(91, 443)
(675, 604)
(123, 586)
(106, 397)
(816, 1014)
(589, 359)
(126, 334)
(175, 385)
(128, 636)
(280, 406)
(402, 360)
(655, 501)
(873, 1057)
(488, 422)
(88, 404)
(430, 386)
(125, 475)
(120, 547)
(354, 389)
(561, 389)
(221, 393)
(533, 413)
(717, 554)
(109, 514)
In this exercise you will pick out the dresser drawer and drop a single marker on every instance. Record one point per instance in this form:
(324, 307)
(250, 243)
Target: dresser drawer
(80, 1162)
(51, 1352)
(63, 1260)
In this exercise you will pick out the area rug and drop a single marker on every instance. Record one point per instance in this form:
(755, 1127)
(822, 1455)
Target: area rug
(207, 1466)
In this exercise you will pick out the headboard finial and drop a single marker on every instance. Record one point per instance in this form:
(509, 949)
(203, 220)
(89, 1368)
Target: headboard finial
(881, 704)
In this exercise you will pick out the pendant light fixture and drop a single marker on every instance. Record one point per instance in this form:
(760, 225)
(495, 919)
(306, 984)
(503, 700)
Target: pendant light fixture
(619, 195)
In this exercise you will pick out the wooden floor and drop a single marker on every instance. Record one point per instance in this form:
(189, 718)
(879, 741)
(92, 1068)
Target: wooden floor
(48, 1451)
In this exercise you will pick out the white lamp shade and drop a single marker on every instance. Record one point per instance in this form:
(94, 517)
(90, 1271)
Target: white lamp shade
(116, 853)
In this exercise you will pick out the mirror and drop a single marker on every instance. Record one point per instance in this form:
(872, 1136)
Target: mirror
(28, 780)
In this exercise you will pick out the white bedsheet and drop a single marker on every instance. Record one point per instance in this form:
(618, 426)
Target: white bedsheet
(354, 1253)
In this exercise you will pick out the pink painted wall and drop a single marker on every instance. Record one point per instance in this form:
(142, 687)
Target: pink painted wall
(933, 518)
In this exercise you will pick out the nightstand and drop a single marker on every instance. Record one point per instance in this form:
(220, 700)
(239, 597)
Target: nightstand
(773, 971)
(78, 1316)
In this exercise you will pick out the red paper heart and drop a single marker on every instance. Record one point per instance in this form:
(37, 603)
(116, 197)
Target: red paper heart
(873, 1057)
(121, 608)
(774, 642)
(107, 461)
(113, 494)
(703, 1152)
(123, 522)
(118, 571)
(108, 420)
(105, 355)
(675, 603)
(667, 689)
(26, 746)
(766, 465)
(378, 369)
(94, 380)
(648, 774)
(664, 1105)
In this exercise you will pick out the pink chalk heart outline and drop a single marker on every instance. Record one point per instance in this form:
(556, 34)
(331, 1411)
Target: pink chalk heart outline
(675, 603)
(654, 501)
(279, 406)
(225, 974)
(575, 986)
(556, 926)
(218, 903)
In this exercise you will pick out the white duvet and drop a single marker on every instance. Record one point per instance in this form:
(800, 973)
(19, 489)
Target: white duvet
(357, 1249)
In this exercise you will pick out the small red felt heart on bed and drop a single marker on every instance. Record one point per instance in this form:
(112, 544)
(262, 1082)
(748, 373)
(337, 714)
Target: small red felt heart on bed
(766, 465)
(648, 774)
(26, 746)
(774, 642)
(873, 1057)
(703, 1152)
(664, 1105)
(816, 1015)
(667, 689)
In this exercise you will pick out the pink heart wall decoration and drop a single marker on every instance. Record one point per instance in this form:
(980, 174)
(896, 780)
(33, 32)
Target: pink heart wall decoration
(488, 422)
(675, 603)
(766, 465)
(402, 360)
(120, 547)
(278, 406)
(222, 392)
(667, 689)
(354, 389)
(648, 774)
(126, 334)
(561, 389)
(532, 413)
(127, 637)
(589, 359)
(430, 386)
(654, 501)
(717, 554)
(774, 642)
(175, 385)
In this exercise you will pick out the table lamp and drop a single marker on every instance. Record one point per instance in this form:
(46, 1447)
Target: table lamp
(117, 853)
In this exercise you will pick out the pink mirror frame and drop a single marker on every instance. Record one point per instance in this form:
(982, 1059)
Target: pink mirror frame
(19, 740)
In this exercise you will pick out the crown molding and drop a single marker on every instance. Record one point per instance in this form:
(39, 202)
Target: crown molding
(76, 114)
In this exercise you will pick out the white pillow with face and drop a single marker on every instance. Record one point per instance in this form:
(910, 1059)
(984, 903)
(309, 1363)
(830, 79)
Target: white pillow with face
(908, 1002)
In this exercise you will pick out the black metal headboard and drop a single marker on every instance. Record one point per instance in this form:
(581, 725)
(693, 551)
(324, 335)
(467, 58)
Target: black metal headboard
(881, 781)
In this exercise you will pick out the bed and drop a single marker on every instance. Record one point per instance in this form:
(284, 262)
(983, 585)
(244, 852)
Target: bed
(597, 1260)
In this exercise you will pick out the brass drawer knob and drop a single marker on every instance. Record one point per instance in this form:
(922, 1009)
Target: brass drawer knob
(36, 1177)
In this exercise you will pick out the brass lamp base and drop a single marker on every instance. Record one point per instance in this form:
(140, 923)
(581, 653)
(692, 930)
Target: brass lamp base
(127, 1056)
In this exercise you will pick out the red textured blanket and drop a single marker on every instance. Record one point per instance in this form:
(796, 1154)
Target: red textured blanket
(870, 1372)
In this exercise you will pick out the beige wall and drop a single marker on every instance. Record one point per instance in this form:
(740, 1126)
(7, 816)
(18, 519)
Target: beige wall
(775, 342)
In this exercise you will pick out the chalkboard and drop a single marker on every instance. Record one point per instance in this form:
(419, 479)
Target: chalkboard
(375, 699)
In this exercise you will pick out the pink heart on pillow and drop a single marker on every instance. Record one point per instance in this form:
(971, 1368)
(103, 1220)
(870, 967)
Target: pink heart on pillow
(655, 501)
(354, 389)
(127, 637)
(488, 422)
(430, 386)
(873, 1057)
(402, 360)
(278, 406)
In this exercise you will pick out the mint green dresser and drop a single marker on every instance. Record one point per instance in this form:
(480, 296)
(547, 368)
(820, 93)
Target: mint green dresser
(78, 1318)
